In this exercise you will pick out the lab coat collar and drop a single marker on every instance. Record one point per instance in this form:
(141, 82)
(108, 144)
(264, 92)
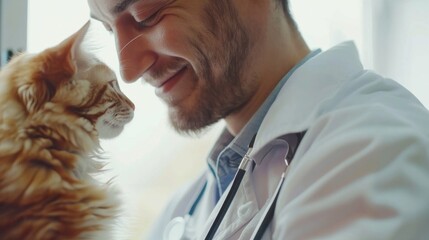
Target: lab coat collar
(302, 96)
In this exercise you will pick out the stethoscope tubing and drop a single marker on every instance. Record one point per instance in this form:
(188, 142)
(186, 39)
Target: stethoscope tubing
(269, 213)
(228, 200)
(232, 192)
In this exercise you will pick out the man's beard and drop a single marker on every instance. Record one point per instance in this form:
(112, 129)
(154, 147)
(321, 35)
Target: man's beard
(224, 45)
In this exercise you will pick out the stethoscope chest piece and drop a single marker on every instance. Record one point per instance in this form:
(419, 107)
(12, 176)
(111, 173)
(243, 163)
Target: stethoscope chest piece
(176, 229)
(180, 228)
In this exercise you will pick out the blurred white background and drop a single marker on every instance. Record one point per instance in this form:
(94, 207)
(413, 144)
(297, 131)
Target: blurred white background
(150, 160)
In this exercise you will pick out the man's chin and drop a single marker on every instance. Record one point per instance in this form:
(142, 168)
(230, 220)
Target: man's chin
(188, 123)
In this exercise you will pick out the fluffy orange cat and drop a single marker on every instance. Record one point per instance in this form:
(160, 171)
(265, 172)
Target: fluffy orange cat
(54, 107)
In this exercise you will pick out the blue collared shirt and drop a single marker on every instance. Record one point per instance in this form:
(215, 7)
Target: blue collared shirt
(226, 154)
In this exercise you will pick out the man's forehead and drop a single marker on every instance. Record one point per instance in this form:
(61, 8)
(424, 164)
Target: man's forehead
(109, 6)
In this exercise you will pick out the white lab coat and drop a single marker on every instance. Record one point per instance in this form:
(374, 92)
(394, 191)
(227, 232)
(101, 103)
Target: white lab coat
(361, 172)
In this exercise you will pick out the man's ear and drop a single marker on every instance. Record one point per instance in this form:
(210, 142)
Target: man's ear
(56, 66)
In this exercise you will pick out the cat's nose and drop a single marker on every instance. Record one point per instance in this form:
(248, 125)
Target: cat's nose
(131, 104)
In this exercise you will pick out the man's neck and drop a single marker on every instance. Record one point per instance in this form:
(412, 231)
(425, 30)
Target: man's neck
(279, 57)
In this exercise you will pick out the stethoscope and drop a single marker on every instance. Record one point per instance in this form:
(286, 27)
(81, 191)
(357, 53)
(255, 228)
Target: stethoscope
(180, 229)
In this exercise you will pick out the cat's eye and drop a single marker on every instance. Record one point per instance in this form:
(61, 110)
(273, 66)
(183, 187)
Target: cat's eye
(114, 83)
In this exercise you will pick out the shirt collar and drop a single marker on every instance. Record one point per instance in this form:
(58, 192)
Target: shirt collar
(227, 152)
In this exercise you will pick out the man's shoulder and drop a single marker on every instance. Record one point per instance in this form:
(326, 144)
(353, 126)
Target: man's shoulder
(373, 98)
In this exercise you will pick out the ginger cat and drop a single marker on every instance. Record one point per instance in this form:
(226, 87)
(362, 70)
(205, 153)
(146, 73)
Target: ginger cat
(54, 107)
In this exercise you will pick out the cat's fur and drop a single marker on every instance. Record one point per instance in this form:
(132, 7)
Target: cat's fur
(54, 106)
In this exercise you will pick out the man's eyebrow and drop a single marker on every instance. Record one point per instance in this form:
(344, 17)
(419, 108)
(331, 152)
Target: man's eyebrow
(122, 5)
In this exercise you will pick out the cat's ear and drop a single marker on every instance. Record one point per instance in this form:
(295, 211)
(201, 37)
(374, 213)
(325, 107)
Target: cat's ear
(66, 55)
(58, 65)
(80, 52)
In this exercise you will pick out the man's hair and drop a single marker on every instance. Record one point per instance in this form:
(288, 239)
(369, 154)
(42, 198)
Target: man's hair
(285, 6)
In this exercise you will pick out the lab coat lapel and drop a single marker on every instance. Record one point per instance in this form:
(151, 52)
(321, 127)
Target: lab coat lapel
(301, 98)
(303, 94)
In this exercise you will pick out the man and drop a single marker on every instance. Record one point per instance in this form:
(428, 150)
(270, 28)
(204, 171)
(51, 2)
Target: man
(357, 144)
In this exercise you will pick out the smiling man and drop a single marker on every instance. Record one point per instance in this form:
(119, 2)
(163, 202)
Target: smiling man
(206, 59)
(348, 131)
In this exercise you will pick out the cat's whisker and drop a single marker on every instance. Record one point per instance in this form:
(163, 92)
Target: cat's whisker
(127, 61)
(125, 67)
(128, 43)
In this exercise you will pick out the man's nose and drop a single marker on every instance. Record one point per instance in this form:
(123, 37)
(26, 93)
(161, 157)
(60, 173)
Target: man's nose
(135, 54)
